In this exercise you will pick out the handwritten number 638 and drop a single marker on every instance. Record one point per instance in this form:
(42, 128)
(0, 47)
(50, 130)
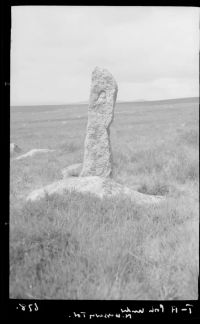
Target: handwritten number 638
(31, 307)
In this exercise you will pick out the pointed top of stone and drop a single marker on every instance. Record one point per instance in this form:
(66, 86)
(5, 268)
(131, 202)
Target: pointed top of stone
(97, 68)
(100, 69)
(105, 77)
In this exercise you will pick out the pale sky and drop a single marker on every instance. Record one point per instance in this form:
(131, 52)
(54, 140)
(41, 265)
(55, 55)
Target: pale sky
(151, 51)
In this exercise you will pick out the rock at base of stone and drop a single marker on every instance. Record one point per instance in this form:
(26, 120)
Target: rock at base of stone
(72, 170)
(94, 185)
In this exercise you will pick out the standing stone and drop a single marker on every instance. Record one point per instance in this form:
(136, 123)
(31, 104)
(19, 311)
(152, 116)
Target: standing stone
(98, 155)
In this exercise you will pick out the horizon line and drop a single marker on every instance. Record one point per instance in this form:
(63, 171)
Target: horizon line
(86, 102)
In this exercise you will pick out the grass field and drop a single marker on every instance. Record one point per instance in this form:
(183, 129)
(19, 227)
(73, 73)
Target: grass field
(80, 247)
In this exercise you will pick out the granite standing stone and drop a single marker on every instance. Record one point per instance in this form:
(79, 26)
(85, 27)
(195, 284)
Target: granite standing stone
(97, 152)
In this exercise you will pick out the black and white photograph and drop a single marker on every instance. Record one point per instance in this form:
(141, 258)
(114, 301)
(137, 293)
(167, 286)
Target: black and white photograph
(104, 153)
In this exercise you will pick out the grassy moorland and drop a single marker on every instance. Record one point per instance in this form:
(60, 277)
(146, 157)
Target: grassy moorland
(79, 247)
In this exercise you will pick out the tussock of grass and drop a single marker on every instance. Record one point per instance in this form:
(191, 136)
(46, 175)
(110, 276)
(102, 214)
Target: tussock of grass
(155, 187)
(78, 246)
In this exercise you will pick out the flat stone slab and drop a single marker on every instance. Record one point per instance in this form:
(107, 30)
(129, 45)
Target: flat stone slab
(100, 187)
(33, 152)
